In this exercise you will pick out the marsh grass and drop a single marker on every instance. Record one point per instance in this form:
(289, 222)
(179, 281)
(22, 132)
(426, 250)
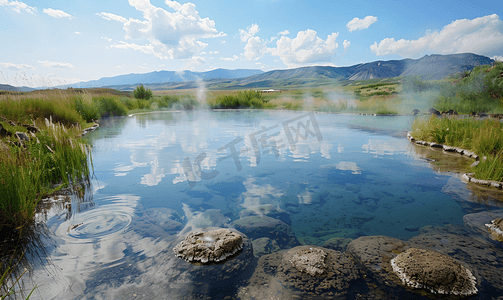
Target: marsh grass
(484, 137)
(51, 160)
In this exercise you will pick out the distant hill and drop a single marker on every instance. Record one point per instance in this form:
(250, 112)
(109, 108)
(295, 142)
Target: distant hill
(429, 67)
(10, 88)
(164, 76)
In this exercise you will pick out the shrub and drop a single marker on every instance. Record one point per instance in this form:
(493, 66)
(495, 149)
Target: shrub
(243, 99)
(169, 101)
(87, 108)
(142, 93)
(111, 106)
(129, 103)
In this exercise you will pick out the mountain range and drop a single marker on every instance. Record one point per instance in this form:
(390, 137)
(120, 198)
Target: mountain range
(429, 67)
(165, 76)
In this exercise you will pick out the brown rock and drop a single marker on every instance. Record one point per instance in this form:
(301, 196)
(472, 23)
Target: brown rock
(438, 273)
(210, 246)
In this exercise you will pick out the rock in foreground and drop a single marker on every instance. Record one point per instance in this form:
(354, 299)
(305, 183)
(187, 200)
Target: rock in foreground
(210, 246)
(438, 273)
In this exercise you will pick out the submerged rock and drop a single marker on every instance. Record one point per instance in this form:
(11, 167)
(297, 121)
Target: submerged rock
(210, 246)
(337, 243)
(304, 272)
(481, 256)
(263, 246)
(438, 273)
(310, 261)
(268, 210)
(262, 226)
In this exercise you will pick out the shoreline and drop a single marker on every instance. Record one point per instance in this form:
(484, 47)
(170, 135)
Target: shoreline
(465, 177)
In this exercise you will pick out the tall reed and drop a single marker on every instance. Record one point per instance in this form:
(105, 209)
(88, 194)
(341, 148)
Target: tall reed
(52, 159)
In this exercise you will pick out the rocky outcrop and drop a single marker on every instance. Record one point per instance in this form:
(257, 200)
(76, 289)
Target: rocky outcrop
(212, 246)
(430, 270)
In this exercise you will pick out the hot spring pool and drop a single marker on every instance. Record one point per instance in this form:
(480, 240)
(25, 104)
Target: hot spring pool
(307, 178)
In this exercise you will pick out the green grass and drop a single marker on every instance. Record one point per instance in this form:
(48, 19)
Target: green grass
(51, 160)
(484, 137)
(243, 99)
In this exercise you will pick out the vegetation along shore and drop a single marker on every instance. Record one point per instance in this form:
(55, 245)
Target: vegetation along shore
(41, 152)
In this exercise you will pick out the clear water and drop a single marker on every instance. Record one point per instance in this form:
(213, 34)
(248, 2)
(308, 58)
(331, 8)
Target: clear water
(346, 176)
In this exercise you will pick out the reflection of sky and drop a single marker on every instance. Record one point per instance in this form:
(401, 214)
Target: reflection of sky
(351, 174)
(257, 194)
(162, 147)
(381, 147)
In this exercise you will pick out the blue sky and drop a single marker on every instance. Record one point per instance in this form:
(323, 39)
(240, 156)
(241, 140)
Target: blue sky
(47, 43)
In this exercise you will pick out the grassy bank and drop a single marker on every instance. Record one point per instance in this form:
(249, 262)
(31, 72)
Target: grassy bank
(49, 157)
(52, 156)
(484, 137)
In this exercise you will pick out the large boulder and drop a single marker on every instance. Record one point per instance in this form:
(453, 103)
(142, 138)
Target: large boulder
(478, 254)
(304, 272)
(430, 270)
(207, 280)
(209, 246)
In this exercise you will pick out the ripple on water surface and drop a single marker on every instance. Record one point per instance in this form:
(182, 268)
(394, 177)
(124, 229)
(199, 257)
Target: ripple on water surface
(114, 214)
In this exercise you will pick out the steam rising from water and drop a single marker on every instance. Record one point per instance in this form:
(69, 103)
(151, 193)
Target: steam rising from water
(201, 92)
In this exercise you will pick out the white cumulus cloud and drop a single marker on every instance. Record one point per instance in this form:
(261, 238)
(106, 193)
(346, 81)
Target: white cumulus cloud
(18, 6)
(171, 34)
(13, 66)
(255, 48)
(482, 35)
(56, 13)
(498, 57)
(284, 32)
(306, 48)
(250, 32)
(112, 17)
(359, 24)
(234, 57)
(47, 63)
(346, 44)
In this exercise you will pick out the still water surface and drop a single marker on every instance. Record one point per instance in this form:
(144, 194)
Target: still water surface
(159, 174)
